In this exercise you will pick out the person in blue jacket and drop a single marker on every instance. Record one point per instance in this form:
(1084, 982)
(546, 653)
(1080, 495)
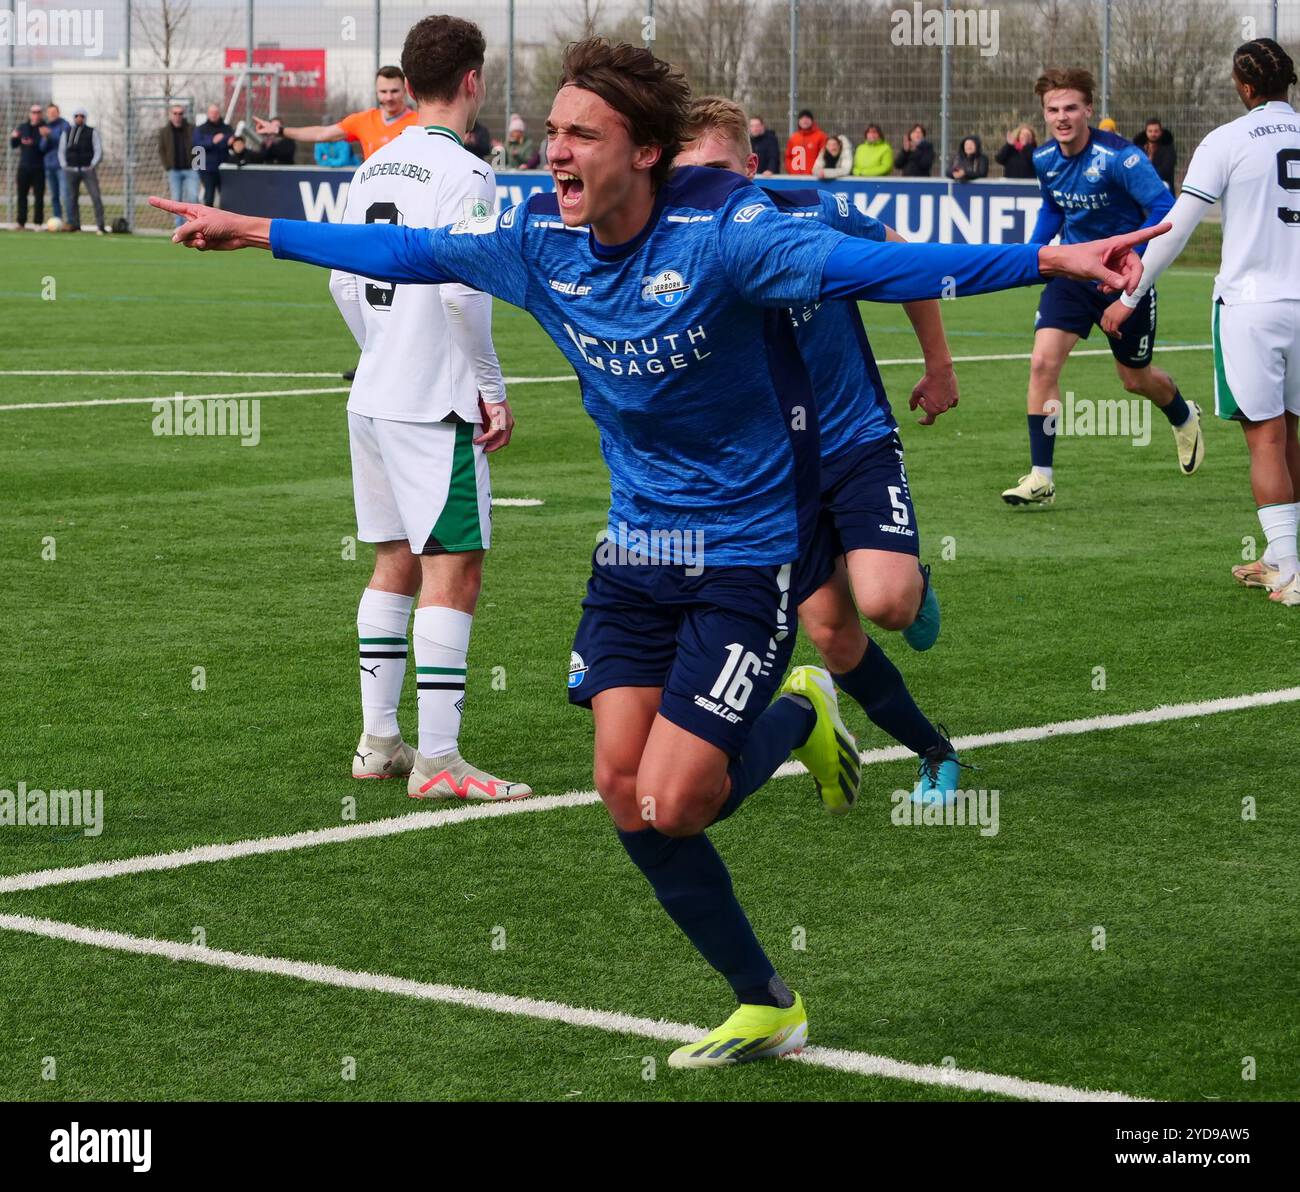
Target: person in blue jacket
(57, 126)
(213, 136)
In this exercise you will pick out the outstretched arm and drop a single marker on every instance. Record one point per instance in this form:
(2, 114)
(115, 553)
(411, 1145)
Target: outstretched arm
(381, 252)
(306, 132)
(486, 254)
(907, 272)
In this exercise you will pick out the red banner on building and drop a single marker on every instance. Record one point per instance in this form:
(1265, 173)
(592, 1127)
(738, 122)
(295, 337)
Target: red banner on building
(301, 76)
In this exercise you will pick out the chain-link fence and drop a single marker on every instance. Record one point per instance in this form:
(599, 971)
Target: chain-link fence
(128, 110)
(957, 70)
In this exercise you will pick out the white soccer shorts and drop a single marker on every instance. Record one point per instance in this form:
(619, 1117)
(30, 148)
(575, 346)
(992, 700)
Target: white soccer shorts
(1256, 360)
(426, 482)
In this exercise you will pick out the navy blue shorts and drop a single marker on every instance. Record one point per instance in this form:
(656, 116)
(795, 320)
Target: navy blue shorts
(1077, 306)
(866, 504)
(717, 643)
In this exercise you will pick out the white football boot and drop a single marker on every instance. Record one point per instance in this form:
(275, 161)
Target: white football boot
(1190, 441)
(1031, 489)
(450, 776)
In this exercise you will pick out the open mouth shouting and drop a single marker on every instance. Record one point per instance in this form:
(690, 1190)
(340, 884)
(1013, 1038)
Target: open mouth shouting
(569, 187)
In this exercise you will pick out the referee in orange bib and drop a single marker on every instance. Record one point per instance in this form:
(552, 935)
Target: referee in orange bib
(374, 127)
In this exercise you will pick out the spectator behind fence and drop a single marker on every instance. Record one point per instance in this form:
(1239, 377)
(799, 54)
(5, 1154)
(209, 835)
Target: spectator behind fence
(804, 146)
(874, 158)
(916, 158)
(80, 152)
(836, 159)
(1016, 157)
(1157, 142)
(763, 142)
(56, 126)
(27, 138)
(238, 151)
(520, 150)
(213, 138)
(1107, 125)
(969, 162)
(333, 154)
(175, 149)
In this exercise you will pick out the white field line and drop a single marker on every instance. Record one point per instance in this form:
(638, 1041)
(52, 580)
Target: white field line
(418, 821)
(200, 854)
(857, 1062)
(518, 502)
(122, 401)
(166, 397)
(143, 401)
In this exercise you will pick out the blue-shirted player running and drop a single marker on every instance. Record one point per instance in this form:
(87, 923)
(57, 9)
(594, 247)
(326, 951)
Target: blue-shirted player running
(867, 517)
(1095, 184)
(667, 296)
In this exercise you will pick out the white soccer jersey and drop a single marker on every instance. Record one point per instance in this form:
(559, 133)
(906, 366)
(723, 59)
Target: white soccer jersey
(426, 351)
(1252, 166)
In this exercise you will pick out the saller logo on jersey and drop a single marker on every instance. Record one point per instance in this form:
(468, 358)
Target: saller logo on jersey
(750, 213)
(665, 289)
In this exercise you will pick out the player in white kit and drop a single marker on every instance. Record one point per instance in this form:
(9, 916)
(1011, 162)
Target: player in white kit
(427, 403)
(1251, 166)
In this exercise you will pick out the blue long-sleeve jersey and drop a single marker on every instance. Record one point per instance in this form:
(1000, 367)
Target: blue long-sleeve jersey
(851, 403)
(687, 365)
(1108, 188)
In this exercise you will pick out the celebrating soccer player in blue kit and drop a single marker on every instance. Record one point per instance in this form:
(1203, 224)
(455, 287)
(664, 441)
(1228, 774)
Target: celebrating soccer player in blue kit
(1094, 184)
(667, 292)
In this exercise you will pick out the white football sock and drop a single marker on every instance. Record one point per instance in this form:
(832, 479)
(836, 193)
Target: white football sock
(1279, 525)
(1270, 555)
(381, 633)
(1045, 472)
(441, 646)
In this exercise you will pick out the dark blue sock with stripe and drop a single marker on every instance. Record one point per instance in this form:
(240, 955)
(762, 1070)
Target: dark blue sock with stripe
(692, 884)
(1177, 411)
(784, 724)
(878, 686)
(1041, 443)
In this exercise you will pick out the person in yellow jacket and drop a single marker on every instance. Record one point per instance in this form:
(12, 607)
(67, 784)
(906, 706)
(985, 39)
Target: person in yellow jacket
(874, 157)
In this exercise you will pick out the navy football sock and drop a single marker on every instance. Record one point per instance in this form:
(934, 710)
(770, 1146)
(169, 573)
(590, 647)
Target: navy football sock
(692, 884)
(784, 724)
(1041, 443)
(877, 685)
(1177, 411)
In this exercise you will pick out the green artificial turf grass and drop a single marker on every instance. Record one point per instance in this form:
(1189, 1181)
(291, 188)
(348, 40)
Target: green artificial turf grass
(174, 553)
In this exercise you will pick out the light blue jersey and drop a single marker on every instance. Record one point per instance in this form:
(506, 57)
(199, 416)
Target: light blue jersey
(1108, 188)
(851, 403)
